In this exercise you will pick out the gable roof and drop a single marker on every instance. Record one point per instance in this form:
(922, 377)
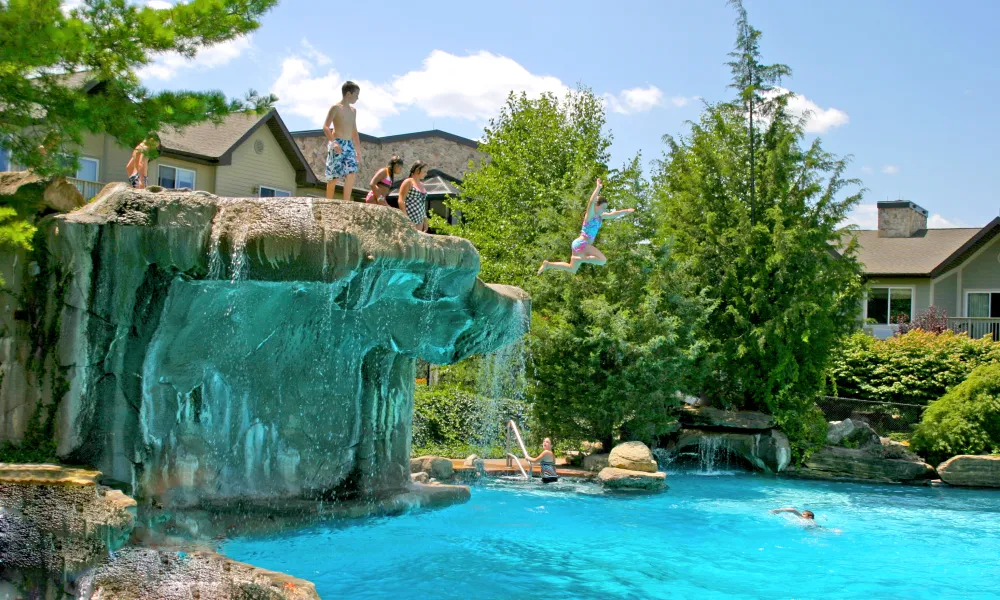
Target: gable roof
(403, 137)
(927, 254)
(214, 144)
(438, 184)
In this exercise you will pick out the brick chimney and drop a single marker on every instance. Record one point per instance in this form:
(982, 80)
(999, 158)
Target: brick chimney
(900, 219)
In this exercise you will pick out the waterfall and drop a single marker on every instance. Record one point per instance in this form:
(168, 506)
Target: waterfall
(216, 267)
(500, 391)
(709, 448)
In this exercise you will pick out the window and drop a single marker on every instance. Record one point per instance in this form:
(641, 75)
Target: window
(889, 305)
(89, 169)
(270, 192)
(4, 159)
(176, 177)
(983, 304)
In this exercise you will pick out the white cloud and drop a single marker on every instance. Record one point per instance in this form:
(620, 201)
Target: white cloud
(158, 4)
(867, 170)
(890, 169)
(818, 119)
(865, 216)
(936, 221)
(68, 5)
(310, 95)
(470, 87)
(637, 100)
(167, 65)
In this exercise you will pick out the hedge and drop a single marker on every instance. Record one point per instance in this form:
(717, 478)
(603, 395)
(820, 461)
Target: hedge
(915, 368)
(450, 420)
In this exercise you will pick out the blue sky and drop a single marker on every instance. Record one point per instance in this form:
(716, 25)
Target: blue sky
(908, 88)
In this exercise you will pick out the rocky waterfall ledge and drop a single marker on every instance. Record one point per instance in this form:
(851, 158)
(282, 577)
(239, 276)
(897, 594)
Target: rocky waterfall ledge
(196, 348)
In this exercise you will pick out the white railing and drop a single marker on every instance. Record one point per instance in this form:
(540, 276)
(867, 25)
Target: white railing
(89, 189)
(976, 327)
(511, 458)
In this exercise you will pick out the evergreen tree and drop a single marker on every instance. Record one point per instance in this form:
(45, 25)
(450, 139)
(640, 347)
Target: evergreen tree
(786, 284)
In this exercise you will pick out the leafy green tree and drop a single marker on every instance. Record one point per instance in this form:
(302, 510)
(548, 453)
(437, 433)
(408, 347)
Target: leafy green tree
(48, 57)
(540, 150)
(611, 346)
(765, 244)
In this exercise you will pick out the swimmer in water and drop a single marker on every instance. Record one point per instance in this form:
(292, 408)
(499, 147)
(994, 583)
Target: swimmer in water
(807, 518)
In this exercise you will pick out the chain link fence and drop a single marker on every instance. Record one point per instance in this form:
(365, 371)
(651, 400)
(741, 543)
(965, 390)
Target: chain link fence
(885, 417)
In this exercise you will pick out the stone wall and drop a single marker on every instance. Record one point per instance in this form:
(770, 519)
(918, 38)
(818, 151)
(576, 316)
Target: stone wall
(440, 153)
(195, 347)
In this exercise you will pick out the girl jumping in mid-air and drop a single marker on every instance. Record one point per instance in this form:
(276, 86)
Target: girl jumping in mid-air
(584, 251)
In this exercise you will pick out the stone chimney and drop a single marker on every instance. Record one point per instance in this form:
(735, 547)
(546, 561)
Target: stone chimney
(900, 219)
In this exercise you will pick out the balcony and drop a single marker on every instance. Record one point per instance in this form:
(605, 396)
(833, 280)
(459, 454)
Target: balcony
(976, 327)
(89, 189)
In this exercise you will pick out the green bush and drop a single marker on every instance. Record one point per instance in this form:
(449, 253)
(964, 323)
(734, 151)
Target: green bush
(966, 420)
(449, 420)
(916, 368)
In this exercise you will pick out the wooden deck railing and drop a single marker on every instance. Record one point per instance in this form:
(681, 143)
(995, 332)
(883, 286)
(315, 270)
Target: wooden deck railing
(976, 327)
(89, 189)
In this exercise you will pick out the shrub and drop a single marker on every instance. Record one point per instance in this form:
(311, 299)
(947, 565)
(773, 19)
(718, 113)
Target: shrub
(966, 420)
(918, 367)
(452, 421)
(933, 320)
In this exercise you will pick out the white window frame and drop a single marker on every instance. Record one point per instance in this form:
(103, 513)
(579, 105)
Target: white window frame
(260, 188)
(194, 174)
(966, 304)
(98, 170)
(890, 287)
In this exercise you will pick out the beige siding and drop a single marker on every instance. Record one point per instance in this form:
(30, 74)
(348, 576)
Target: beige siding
(310, 191)
(204, 178)
(249, 169)
(945, 294)
(983, 271)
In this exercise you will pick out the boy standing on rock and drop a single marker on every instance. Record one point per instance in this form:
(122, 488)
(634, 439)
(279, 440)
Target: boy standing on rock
(341, 130)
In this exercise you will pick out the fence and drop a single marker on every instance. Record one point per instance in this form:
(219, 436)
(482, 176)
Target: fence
(884, 417)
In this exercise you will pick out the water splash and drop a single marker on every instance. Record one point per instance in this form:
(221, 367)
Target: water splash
(713, 451)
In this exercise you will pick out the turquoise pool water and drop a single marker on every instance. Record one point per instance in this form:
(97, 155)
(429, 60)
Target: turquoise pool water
(706, 537)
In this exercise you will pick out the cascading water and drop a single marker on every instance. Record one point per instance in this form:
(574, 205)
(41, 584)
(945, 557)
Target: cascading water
(712, 451)
(501, 385)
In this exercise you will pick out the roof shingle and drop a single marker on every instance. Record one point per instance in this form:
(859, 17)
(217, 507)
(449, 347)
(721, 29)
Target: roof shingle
(917, 256)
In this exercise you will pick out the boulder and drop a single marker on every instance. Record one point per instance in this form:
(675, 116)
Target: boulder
(172, 575)
(470, 460)
(768, 450)
(855, 464)
(632, 456)
(707, 416)
(623, 479)
(288, 330)
(968, 470)
(59, 519)
(852, 434)
(435, 466)
(595, 462)
(420, 477)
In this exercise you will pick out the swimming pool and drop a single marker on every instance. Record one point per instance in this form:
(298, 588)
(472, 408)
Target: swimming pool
(706, 537)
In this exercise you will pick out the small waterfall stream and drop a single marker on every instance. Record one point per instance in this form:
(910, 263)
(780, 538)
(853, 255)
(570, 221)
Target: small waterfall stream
(501, 386)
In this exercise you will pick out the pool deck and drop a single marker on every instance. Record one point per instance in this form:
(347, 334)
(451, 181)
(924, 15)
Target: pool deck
(498, 466)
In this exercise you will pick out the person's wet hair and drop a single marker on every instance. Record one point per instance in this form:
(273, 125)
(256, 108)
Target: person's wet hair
(808, 514)
(393, 162)
(417, 166)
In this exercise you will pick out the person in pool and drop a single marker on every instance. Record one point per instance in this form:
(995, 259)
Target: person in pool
(806, 515)
(547, 461)
(583, 248)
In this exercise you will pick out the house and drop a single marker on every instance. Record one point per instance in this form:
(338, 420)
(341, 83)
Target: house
(910, 268)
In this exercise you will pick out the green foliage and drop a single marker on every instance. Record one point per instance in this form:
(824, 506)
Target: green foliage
(612, 346)
(760, 243)
(15, 233)
(540, 151)
(966, 420)
(915, 368)
(44, 101)
(448, 419)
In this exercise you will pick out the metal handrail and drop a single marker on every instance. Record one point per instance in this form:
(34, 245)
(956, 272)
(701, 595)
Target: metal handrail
(512, 427)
